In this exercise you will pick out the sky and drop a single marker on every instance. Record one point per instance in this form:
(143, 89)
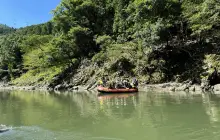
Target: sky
(21, 13)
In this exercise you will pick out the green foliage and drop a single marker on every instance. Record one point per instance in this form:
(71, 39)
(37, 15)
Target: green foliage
(138, 37)
(10, 54)
(203, 15)
(211, 61)
(121, 64)
(4, 29)
(9, 51)
(104, 40)
(83, 40)
(38, 76)
(77, 43)
(93, 14)
(40, 29)
(32, 42)
(157, 77)
(150, 35)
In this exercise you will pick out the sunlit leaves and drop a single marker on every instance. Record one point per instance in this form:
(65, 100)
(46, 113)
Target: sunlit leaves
(203, 15)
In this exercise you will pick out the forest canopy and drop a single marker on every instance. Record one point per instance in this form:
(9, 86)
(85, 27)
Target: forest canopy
(156, 40)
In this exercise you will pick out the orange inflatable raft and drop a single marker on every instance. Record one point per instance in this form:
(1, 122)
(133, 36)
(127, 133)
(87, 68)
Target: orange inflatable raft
(120, 90)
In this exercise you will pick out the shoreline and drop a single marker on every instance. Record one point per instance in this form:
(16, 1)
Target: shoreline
(165, 87)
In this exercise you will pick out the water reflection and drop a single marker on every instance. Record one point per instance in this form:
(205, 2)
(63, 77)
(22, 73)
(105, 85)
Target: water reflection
(118, 101)
(211, 104)
(86, 115)
(90, 105)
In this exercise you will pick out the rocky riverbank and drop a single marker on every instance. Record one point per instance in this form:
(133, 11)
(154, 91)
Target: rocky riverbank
(85, 77)
(164, 87)
(39, 88)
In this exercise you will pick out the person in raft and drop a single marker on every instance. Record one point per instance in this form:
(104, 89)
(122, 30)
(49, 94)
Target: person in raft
(102, 82)
(134, 83)
(126, 83)
(118, 83)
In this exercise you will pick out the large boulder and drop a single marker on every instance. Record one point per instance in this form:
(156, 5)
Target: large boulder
(217, 87)
(59, 87)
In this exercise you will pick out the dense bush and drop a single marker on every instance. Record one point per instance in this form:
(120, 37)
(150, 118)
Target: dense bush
(156, 40)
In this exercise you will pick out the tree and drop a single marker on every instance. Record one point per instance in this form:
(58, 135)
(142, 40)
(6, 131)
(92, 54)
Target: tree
(203, 16)
(4, 29)
(78, 43)
(10, 54)
(95, 15)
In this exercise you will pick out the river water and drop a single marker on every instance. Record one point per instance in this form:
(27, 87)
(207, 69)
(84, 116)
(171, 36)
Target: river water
(86, 116)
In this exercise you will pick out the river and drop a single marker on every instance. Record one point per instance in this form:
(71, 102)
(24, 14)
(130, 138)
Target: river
(86, 116)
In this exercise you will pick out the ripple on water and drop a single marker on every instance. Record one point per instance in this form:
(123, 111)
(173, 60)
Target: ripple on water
(37, 133)
(104, 138)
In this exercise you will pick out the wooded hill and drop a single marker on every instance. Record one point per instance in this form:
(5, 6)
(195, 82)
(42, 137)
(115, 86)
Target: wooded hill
(4, 29)
(154, 40)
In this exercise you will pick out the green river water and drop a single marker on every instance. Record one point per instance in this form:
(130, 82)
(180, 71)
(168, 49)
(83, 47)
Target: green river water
(86, 116)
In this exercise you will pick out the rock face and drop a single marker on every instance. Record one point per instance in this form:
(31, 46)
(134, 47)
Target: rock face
(59, 87)
(4, 128)
(172, 89)
(175, 87)
(75, 88)
(216, 87)
(182, 88)
(91, 85)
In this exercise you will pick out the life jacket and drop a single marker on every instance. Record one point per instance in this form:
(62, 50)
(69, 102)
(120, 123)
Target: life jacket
(132, 85)
(100, 82)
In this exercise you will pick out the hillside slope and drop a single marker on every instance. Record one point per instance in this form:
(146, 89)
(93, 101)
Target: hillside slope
(4, 29)
(155, 40)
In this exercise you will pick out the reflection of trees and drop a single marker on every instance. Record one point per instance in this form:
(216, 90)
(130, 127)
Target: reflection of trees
(88, 105)
(118, 105)
(159, 108)
(23, 108)
(4, 95)
(8, 106)
(211, 105)
(85, 110)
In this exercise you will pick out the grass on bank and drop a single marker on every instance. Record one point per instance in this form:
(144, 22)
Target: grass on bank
(38, 76)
